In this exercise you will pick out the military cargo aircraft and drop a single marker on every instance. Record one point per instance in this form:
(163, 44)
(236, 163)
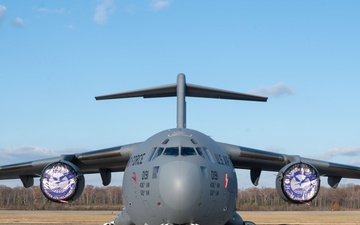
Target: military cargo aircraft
(179, 176)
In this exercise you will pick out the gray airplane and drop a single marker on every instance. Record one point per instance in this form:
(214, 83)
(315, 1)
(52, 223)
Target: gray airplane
(179, 176)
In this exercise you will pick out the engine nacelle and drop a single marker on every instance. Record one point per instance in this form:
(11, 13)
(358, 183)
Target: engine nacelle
(62, 182)
(298, 182)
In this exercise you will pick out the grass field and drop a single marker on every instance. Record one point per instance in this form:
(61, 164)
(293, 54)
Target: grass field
(99, 217)
(306, 218)
(56, 217)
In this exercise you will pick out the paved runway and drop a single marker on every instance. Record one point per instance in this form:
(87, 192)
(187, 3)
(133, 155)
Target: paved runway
(100, 217)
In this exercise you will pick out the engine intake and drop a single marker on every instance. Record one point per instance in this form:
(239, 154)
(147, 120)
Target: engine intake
(298, 182)
(62, 182)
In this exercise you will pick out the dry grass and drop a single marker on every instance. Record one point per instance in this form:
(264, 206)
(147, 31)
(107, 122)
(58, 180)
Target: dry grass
(297, 218)
(99, 217)
(56, 217)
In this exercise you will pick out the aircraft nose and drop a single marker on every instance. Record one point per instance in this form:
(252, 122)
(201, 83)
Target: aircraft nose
(180, 184)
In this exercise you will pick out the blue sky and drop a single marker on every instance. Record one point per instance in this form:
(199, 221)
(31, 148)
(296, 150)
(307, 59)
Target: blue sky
(55, 56)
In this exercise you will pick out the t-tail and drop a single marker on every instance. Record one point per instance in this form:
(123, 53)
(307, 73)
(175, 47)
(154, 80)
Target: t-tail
(182, 89)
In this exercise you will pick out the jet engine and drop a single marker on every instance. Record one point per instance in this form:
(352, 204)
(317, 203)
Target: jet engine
(62, 182)
(298, 182)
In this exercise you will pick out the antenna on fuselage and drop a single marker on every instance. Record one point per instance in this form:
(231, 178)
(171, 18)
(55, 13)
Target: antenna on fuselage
(181, 89)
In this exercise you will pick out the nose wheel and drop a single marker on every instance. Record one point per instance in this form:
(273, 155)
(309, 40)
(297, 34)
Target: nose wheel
(249, 223)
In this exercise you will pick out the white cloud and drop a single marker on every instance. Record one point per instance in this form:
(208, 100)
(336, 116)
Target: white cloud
(70, 27)
(12, 155)
(103, 10)
(351, 152)
(48, 10)
(276, 90)
(160, 4)
(131, 8)
(346, 151)
(18, 22)
(354, 162)
(2, 12)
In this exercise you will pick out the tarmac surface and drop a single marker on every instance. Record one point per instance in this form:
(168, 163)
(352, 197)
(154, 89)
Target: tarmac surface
(100, 217)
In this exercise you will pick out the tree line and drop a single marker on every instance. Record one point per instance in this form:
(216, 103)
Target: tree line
(109, 198)
(328, 199)
(92, 198)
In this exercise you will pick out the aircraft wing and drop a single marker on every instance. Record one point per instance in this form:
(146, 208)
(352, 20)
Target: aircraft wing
(102, 161)
(258, 160)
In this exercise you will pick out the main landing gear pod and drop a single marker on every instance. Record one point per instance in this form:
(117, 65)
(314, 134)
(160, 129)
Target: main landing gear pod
(298, 182)
(236, 219)
(249, 223)
(123, 219)
(62, 182)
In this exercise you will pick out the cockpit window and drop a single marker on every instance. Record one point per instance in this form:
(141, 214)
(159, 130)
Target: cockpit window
(200, 152)
(208, 154)
(159, 152)
(152, 154)
(185, 151)
(172, 151)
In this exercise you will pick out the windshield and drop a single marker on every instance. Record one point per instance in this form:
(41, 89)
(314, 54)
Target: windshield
(173, 151)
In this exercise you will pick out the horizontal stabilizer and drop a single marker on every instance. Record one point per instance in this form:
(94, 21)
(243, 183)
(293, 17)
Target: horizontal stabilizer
(180, 90)
(154, 92)
(207, 92)
(191, 90)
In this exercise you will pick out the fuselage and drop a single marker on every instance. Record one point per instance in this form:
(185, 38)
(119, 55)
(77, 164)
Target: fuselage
(179, 176)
